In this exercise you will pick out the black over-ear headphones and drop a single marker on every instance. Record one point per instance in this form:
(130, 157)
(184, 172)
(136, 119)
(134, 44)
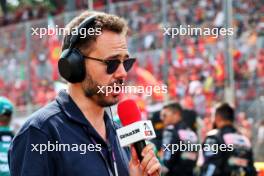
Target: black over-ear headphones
(71, 63)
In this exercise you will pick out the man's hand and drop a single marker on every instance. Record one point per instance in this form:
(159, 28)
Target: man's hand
(149, 166)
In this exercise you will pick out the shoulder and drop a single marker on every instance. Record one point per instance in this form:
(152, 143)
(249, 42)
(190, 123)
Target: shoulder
(41, 118)
(213, 132)
(212, 137)
(186, 134)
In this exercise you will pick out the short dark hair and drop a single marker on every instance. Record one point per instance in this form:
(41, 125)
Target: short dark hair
(226, 112)
(174, 107)
(103, 21)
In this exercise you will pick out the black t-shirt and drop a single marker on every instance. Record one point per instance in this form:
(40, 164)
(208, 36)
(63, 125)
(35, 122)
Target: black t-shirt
(234, 157)
(182, 161)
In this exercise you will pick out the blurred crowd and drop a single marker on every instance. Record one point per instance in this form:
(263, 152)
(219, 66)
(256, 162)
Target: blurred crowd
(196, 63)
(193, 67)
(16, 13)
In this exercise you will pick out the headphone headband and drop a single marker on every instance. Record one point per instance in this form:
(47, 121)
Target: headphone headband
(74, 38)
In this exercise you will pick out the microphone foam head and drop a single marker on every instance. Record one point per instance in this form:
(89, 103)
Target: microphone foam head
(128, 112)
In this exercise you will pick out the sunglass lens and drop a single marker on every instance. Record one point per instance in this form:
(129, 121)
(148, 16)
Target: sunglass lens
(128, 64)
(112, 66)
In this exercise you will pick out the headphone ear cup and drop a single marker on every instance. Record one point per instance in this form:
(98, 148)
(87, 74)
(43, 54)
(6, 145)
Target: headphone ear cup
(72, 66)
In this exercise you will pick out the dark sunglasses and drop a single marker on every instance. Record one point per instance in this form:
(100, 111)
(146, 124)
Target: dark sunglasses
(113, 64)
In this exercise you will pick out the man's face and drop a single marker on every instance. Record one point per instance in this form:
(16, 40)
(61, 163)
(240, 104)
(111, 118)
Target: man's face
(167, 116)
(216, 122)
(109, 45)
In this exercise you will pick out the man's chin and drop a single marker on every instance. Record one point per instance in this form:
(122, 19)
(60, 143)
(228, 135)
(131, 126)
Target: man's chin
(109, 100)
(113, 99)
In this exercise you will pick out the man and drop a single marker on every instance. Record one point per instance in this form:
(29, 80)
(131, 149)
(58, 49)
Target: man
(6, 134)
(233, 156)
(77, 116)
(177, 163)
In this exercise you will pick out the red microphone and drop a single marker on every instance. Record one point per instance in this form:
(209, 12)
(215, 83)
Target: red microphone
(128, 112)
(135, 131)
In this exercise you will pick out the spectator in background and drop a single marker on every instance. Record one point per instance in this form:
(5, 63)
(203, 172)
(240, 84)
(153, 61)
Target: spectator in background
(6, 135)
(180, 163)
(238, 160)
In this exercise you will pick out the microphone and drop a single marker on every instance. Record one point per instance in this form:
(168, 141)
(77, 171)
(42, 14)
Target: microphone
(135, 131)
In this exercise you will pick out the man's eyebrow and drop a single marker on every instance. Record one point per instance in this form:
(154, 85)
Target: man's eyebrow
(117, 56)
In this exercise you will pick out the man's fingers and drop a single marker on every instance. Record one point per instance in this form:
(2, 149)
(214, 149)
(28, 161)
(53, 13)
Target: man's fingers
(153, 161)
(154, 170)
(149, 166)
(153, 167)
(147, 149)
(147, 158)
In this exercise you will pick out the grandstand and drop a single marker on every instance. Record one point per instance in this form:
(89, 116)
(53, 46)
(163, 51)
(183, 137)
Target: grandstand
(196, 63)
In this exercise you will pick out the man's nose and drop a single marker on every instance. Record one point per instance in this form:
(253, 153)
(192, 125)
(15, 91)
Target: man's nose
(120, 72)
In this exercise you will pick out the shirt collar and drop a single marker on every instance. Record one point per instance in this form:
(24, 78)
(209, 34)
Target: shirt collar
(70, 108)
(73, 112)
